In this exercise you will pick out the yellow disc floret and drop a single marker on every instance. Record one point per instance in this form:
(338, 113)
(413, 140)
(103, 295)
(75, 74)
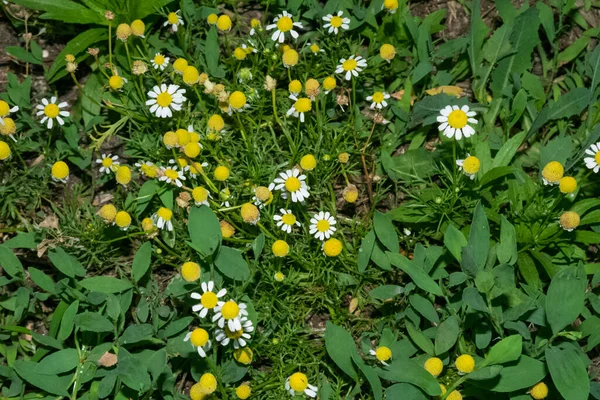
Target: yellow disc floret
(471, 165)
(192, 150)
(243, 391)
(227, 230)
(295, 86)
(230, 310)
(190, 75)
(224, 23)
(116, 82)
(434, 366)
(552, 172)
(280, 248)
(458, 119)
(60, 170)
(539, 391)
(190, 271)
(465, 363)
(250, 213)
(387, 52)
(123, 219)
(344, 158)
(567, 184)
(200, 194)
(216, 123)
(239, 54)
(454, 395)
(108, 212)
(221, 173)
(263, 193)
(390, 5)
(4, 151)
(292, 184)
(123, 175)
(332, 247)
(123, 31)
(197, 393)
(237, 100)
(298, 382)
(569, 220)
(180, 65)
(350, 193)
(147, 225)
(329, 83)
(212, 19)
(243, 355)
(285, 24)
(383, 353)
(172, 18)
(208, 383)
(308, 162)
(290, 58)
(170, 139)
(199, 337)
(138, 27)
(303, 104)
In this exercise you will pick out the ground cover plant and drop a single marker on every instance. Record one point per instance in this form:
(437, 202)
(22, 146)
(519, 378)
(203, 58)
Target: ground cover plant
(300, 199)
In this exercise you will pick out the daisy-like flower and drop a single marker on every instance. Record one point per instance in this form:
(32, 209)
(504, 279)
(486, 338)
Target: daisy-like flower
(108, 163)
(300, 106)
(200, 340)
(208, 299)
(263, 195)
(335, 22)
(292, 182)
(174, 19)
(454, 122)
(171, 175)
(196, 168)
(314, 48)
(255, 25)
(147, 168)
(286, 220)
(201, 196)
(322, 225)
(351, 66)
(249, 49)
(297, 384)
(230, 313)
(162, 219)
(378, 100)
(383, 354)
(593, 162)
(165, 99)
(469, 166)
(5, 110)
(225, 195)
(239, 338)
(160, 62)
(51, 111)
(283, 23)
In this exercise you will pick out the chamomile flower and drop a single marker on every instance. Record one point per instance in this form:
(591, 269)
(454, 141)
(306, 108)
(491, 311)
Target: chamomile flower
(52, 111)
(201, 196)
(5, 110)
(165, 99)
(297, 384)
(454, 122)
(108, 163)
(230, 313)
(569, 220)
(282, 24)
(116, 82)
(200, 340)
(239, 338)
(335, 22)
(172, 175)
(60, 172)
(286, 220)
(249, 49)
(553, 173)
(301, 105)
(292, 182)
(593, 162)
(351, 66)
(208, 299)
(160, 62)
(147, 168)
(196, 168)
(174, 19)
(382, 353)
(390, 6)
(237, 102)
(378, 100)
(322, 225)
(162, 219)
(469, 166)
(8, 128)
(263, 195)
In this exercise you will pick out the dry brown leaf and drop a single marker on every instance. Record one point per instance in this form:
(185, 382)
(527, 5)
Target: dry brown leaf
(353, 305)
(50, 222)
(449, 90)
(38, 160)
(398, 96)
(107, 360)
(102, 198)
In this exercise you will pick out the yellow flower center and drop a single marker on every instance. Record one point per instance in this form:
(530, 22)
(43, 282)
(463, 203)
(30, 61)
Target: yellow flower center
(299, 382)
(308, 162)
(567, 184)
(553, 171)
(254, 23)
(323, 225)
(165, 213)
(390, 4)
(199, 337)
(9, 126)
(288, 219)
(387, 51)
(107, 162)
(569, 220)
(51, 110)
(4, 108)
(336, 21)
(329, 83)
(292, 184)
(115, 82)
(108, 212)
(597, 157)
(164, 99)
(216, 123)
(471, 165)
(190, 271)
(378, 97)
(224, 23)
(200, 194)
(208, 383)
(212, 19)
(465, 363)
(237, 100)
(60, 170)
(314, 48)
(171, 174)
(263, 193)
(303, 105)
(123, 219)
(209, 300)
(149, 170)
(173, 18)
(383, 353)
(434, 366)
(539, 391)
(349, 65)
(233, 334)
(4, 150)
(285, 24)
(332, 247)
(280, 248)
(230, 310)
(457, 119)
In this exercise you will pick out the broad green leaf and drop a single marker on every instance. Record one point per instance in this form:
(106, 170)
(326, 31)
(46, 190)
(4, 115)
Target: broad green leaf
(417, 274)
(258, 245)
(233, 372)
(479, 237)
(365, 251)
(42, 280)
(385, 292)
(50, 383)
(340, 347)
(10, 263)
(565, 298)
(485, 373)
(379, 258)
(212, 50)
(568, 372)
(21, 54)
(157, 363)
(136, 333)
(507, 350)
(66, 263)
(425, 308)
(59, 362)
(500, 172)
(419, 338)
(67, 321)
(405, 370)
(528, 270)
(105, 284)
(404, 391)
(446, 335)
(139, 9)
(547, 19)
(145, 195)
(454, 240)
(507, 252)
(385, 231)
(204, 229)
(23, 240)
(508, 150)
(570, 103)
(89, 107)
(141, 261)
(231, 263)
(411, 166)
(63, 10)
(78, 45)
(371, 376)
(131, 374)
(516, 375)
(93, 322)
(477, 35)
(473, 299)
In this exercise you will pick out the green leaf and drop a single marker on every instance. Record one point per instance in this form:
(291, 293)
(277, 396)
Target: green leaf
(258, 245)
(499, 172)
(485, 373)
(93, 322)
(130, 373)
(139, 9)
(365, 251)
(204, 229)
(528, 270)
(90, 108)
(21, 54)
(10, 263)
(42, 280)
(568, 372)
(340, 347)
(23, 240)
(105, 284)
(379, 257)
(212, 50)
(136, 333)
(571, 52)
(508, 150)
(479, 237)
(507, 350)
(507, 252)
(565, 299)
(385, 292)
(405, 370)
(66, 263)
(410, 166)
(231, 263)
(157, 363)
(446, 335)
(419, 338)
(63, 10)
(385, 231)
(50, 383)
(371, 376)
(59, 362)
(404, 391)
(425, 308)
(233, 372)
(78, 45)
(477, 35)
(417, 274)
(547, 19)
(67, 321)
(516, 375)
(141, 261)
(473, 299)
(454, 240)
(146, 193)
(570, 103)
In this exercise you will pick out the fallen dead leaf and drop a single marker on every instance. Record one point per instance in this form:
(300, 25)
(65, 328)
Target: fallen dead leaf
(50, 222)
(107, 360)
(353, 305)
